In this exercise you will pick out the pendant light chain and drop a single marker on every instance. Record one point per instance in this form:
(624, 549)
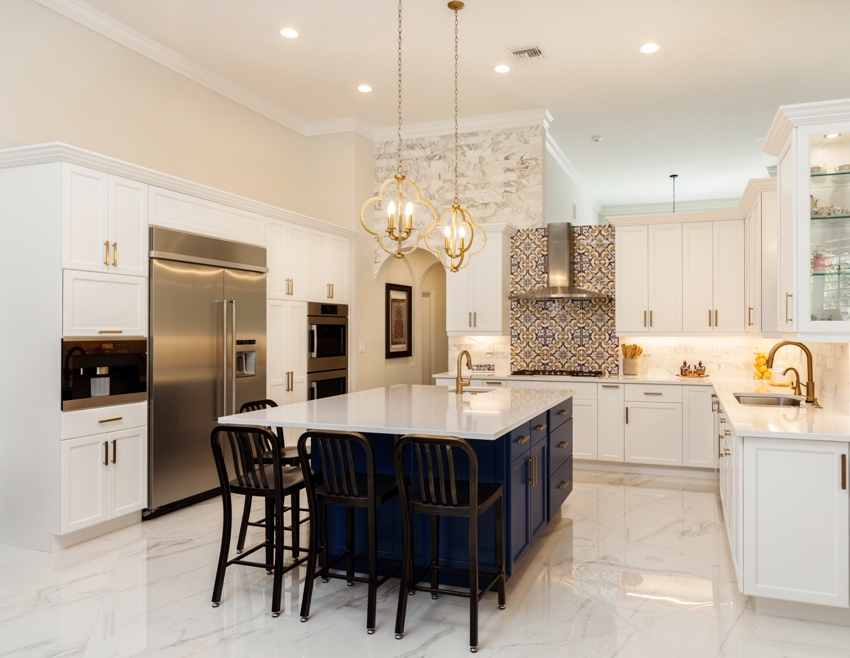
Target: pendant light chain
(456, 87)
(399, 169)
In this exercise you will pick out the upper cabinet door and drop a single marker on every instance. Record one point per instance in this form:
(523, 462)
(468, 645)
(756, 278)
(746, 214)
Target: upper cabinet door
(631, 279)
(487, 289)
(753, 265)
(664, 279)
(85, 219)
(294, 265)
(787, 311)
(318, 288)
(459, 300)
(96, 304)
(697, 285)
(338, 268)
(729, 278)
(128, 226)
(277, 286)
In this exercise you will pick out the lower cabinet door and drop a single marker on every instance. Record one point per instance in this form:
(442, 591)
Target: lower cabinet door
(654, 433)
(518, 507)
(84, 481)
(560, 486)
(611, 422)
(697, 427)
(795, 528)
(584, 429)
(537, 490)
(127, 489)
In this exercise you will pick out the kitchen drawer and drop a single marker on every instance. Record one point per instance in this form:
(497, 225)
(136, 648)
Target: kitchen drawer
(581, 390)
(539, 428)
(560, 414)
(653, 393)
(560, 445)
(85, 422)
(520, 440)
(560, 486)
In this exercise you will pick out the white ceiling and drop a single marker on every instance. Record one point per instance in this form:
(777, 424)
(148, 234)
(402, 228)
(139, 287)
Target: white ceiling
(696, 108)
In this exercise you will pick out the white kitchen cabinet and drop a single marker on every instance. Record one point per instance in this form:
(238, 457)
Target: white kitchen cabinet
(631, 281)
(286, 356)
(787, 311)
(796, 521)
(327, 267)
(697, 279)
(653, 433)
(730, 459)
(585, 435)
(286, 251)
(477, 300)
(697, 427)
(103, 476)
(664, 280)
(128, 226)
(612, 423)
(96, 304)
(85, 219)
(728, 275)
(753, 263)
(338, 248)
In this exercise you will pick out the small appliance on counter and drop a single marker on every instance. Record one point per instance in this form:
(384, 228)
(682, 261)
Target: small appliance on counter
(101, 373)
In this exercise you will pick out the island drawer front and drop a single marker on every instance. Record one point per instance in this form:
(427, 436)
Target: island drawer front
(653, 393)
(560, 486)
(560, 446)
(520, 440)
(85, 422)
(539, 428)
(560, 414)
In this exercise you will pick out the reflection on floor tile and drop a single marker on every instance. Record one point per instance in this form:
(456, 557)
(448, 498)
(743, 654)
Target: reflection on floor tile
(636, 566)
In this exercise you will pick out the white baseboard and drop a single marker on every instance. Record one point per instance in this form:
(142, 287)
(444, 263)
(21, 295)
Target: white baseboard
(640, 469)
(58, 542)
(806, 611)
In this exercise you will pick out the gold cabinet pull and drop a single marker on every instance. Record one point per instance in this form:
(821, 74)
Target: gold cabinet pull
(540, 428)
(469, 322)
(563, 412)
(749, 316)
(106, 257)
(716, 318)
(844, 472)
(644, 318)
(493, 383)
(564, 485)
(475, 318)
(531, 468)
(652, 393)
(563, 444)
(114, 451)
(523, 439)
(627, 415)
(610, 386)
(709, 317)
(106, 453)
(650, 318)
(114, 254)
(111, 331)
(111, 420)
(788, 296)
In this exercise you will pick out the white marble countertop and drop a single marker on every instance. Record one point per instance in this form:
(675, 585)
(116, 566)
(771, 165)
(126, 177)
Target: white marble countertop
(625, 379)
(408, 409)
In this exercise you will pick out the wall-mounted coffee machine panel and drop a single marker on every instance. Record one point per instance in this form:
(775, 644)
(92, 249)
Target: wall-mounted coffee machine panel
(98, 373)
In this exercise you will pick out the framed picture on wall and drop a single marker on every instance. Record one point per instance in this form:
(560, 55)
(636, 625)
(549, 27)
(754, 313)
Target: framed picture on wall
(399, 324)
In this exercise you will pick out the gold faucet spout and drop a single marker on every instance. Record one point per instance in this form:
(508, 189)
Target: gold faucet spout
(810, 384)
(460, 382)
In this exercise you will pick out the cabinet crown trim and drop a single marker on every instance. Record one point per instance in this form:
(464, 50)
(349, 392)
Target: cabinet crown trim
(789, 117)
(676, 218)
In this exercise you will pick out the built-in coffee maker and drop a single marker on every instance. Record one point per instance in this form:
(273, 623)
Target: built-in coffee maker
(98, 373)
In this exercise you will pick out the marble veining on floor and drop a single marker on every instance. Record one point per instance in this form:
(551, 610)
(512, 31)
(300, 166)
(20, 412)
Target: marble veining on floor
(636, 566)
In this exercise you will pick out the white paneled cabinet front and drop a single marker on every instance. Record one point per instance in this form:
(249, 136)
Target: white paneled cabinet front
(96, 304)
(85, 219)
(338, 268)
(611, 425)
(698, 447)
(697, 281)
(128, 226)
(286, 257)
(287, 351)
(585, 435)
(127, 473)
(459, 301)
(753, 264)
(729, 278)
(653, 433)
(796, 521)
(664, 284)
(327, 267)
(631, 279)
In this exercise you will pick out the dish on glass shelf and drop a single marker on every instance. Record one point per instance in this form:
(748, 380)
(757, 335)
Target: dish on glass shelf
(844, 167)
(819, 169)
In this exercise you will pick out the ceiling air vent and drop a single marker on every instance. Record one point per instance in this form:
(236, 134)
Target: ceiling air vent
(529, 54)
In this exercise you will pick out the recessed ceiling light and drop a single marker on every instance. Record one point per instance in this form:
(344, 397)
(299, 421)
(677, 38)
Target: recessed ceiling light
(832, 135)
(649, 48)
(596, 138)
(289, 33)
(364, 88)
(502, 68)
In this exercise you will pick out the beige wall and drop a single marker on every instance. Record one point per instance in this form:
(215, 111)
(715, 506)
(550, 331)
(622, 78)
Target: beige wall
(62, 82)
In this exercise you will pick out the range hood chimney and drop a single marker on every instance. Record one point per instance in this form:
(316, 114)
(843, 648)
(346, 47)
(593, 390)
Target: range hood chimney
(559, 276)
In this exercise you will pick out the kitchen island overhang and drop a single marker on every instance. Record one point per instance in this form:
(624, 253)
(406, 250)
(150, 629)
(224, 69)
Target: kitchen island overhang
(522, 437)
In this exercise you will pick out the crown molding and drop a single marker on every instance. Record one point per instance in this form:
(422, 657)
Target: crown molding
(502, 121)
(565, 164)
(789, 117)
(755, 187)
(336, 126)
(677, 217)
(58, 152)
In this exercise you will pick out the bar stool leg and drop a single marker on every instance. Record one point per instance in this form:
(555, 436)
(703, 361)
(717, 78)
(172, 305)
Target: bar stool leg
(435, 553)
(323, 539)
(278, 555)
(373, 570)
(225, 548)
(406, 572)
(270, 530)
(473, 580)
(500, 550)
(295, 520)
(312, 555)
(349, 543)
(243, 527)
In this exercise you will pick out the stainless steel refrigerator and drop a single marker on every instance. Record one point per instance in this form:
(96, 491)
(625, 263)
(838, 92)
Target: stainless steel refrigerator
(207, 355)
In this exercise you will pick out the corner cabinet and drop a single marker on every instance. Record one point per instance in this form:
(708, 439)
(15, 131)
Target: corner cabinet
(477, 302)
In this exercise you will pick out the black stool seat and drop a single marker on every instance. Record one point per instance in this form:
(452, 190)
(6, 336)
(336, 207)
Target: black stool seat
(291, 481)
(488, 493)
(386, 488)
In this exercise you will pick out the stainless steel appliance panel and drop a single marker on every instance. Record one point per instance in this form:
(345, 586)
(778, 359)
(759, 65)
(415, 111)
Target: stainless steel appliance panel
(328, 337)
(246, 295)
(327, 384)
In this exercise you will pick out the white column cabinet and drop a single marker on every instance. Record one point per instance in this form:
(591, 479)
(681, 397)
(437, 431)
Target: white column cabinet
(286, 338)
(729, 276)
(104, 304)
(653, 433)
(697, 281)
(698, 447)
(630, 283)
(664, 284)
(611, 425)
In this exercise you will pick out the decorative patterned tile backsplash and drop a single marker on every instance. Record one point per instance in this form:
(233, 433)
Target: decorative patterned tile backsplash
(564, 334)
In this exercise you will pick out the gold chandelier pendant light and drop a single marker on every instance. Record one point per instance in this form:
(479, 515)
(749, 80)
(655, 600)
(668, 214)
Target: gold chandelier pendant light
(454, 236)
(400, 236)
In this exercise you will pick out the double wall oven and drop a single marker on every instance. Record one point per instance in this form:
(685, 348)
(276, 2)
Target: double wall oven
(327, 365)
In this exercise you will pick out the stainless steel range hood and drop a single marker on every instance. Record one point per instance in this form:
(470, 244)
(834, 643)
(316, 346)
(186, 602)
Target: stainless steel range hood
(560, 277)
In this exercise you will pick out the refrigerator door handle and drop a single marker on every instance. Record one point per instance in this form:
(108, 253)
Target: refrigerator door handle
(314, 390)
(233, 358)
(223, 303)
(314, 339)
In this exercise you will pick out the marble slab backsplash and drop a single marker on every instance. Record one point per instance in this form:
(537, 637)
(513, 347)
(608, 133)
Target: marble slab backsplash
(495, 350)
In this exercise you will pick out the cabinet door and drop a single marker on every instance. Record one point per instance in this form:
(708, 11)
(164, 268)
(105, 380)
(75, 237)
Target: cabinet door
(664, 280)
(787, 313)
(611, 428)
(584, 429)
(296, 351)
(654, 433)
(294, 264)
(753, 265)
(127, 477)
(318, 289)
(276, 253)
(518, 507)
(697, 427)
(459, 300)
(128, 226)
(84, 481)
(338, 268)
(729, 277)
(104, 304)
(276, 371)
(488, 297)
(697, 285)
(631, 279)
(537, 490)
(796, 521)
(85, 219)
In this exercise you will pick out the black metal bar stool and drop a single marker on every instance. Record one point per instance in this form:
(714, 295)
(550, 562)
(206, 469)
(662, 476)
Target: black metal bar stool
(435, 490)
(342, 485)
(288, 457)
(248, 462)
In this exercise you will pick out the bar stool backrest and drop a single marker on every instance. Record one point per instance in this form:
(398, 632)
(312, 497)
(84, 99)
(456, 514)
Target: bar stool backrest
(259, 405)
(339, 453)
(248, 455)
(439, 460)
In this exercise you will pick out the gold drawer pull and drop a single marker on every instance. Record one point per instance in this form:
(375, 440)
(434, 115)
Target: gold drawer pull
(111, 420)
(114, 254)
(652, 393)
(563, 444)
(563, 412)
(493, 383)
(610, 386)
(111, 331)
(564, 485)
(540, 428)
(523, 439)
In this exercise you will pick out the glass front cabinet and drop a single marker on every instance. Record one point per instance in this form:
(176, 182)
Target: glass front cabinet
(812, 145)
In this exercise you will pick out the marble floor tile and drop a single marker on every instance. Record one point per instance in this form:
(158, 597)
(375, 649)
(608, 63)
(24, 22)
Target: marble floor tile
(634, 567)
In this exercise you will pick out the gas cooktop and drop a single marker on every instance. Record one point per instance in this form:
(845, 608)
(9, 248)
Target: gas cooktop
(560, 373)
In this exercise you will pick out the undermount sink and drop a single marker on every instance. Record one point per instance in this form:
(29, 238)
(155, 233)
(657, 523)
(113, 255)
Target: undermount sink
(769, 400)
(475, 390)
